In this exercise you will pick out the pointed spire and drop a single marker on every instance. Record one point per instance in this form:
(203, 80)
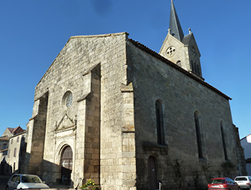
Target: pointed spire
(174, 24)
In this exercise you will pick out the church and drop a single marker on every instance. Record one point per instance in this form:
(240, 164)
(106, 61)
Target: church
(112, 110)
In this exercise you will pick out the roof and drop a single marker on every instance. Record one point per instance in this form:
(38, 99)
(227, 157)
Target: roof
(248, 160)
(174, 24)
(187, 38)
(3, 150)
(158, 56)
(10, 129)
(4, 138)
(17, 130)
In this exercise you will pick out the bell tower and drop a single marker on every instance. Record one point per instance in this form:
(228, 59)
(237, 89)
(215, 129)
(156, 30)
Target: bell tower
(181, 50)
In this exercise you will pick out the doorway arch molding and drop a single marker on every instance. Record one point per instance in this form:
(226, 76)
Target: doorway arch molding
(59, 150)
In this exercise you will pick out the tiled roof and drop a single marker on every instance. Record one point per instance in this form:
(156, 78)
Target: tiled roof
(4, 138)
(10, 129)
(17, 130)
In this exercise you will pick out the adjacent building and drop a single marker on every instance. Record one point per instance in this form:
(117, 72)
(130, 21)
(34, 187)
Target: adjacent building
(112, 110)
(12, 151)
(246, 144)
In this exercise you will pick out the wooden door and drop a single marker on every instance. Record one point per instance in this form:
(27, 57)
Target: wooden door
(152, 175)
(66, 166)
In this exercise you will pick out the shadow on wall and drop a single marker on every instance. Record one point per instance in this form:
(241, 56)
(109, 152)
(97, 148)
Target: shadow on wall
(53, 174)
(5, 168)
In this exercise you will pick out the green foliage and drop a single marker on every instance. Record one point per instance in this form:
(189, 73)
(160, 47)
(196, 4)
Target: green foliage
(90, 185)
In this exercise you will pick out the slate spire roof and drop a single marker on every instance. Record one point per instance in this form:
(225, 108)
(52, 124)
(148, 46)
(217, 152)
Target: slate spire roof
(174, 24)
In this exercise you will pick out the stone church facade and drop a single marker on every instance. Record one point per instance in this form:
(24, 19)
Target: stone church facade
(112, 110)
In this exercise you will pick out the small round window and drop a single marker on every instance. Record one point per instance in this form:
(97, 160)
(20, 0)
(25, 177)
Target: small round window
(170, 51)
(67, 100)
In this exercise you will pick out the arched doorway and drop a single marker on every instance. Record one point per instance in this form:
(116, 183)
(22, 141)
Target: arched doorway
(152, 174)
(66, 165)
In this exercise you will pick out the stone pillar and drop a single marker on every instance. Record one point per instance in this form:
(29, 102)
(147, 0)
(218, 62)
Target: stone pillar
(36, 136)
(92, 129)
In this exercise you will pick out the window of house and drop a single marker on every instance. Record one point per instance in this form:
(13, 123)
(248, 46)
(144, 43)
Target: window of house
(15, 150)
(8, 153)
(5, 153)
(4, 146)
(11, 141)
(160, 124)
(198, 134)
(223, 140)
(17, 139)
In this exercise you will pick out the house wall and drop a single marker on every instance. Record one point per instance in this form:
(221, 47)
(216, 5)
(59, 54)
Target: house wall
(16, 149)
(181, 96)
(4, 143)
(246, 144)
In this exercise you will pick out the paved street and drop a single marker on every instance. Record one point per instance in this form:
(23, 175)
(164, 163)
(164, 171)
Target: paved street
(3, 181)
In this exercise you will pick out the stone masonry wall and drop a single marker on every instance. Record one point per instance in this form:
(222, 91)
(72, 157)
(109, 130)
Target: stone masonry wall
(69, 126)
(178, 164)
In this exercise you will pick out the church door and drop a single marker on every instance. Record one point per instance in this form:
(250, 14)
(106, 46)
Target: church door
(152, 177)
(66, 166)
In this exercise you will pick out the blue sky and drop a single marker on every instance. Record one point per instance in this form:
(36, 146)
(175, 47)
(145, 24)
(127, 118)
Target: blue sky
(33, 32)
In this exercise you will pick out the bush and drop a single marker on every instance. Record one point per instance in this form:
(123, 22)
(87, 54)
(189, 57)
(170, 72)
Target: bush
(90, 185)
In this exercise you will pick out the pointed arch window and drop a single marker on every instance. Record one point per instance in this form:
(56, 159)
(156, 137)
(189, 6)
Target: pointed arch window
(198, 134)
(160, 123)
(223, 140)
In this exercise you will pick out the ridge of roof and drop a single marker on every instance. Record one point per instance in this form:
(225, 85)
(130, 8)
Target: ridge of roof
(98, 35)
(158, 56)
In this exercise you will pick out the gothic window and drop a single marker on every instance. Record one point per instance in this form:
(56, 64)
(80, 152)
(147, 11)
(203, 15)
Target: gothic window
(192, 66)
(223, 140)
(194, 51)
(160, 125)
(198, 135)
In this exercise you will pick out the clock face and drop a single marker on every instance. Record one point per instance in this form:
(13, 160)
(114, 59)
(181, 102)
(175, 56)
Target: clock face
(170, 51)
(68, 99)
